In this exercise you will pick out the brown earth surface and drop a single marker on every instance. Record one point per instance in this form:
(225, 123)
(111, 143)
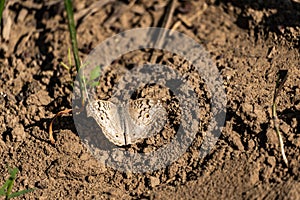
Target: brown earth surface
(249, 42)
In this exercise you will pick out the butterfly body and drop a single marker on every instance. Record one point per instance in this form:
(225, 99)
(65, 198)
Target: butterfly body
(128, 123)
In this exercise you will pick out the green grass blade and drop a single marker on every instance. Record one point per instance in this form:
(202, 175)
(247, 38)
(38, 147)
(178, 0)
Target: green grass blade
(16, 194)
(70, 14)
(13, 174)
(2, 3)
(4, 187)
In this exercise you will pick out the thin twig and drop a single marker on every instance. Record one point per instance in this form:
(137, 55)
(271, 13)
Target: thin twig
(165, 24)
(188, 20)
(282, 76)
(276, 126)
(82, 14)
(51, 138)
(119, 9)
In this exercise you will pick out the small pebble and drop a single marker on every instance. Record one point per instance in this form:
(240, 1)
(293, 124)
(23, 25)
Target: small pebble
(247, 107)
(154, 181)
(18, 133)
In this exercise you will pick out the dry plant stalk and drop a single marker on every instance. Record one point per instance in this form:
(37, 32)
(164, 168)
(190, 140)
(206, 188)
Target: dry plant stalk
(51, 138)
(282, 76)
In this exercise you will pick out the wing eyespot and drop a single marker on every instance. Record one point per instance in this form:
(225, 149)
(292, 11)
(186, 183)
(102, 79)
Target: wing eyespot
(102, 117)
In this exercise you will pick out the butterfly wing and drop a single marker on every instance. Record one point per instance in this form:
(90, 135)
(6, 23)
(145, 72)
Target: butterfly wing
(145, 118)
(107, 116)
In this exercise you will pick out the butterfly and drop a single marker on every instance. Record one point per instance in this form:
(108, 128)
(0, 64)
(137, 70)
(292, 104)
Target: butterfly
(130, 122)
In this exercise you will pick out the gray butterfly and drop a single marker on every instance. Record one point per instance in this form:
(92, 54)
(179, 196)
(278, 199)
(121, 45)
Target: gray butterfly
(129, 122)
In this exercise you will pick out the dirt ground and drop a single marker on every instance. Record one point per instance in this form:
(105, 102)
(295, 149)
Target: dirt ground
(249, 42)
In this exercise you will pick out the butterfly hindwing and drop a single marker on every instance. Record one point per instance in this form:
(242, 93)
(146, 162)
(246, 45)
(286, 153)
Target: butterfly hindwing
(146, 118)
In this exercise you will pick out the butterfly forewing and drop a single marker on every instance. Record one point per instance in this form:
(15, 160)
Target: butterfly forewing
(107, 116)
